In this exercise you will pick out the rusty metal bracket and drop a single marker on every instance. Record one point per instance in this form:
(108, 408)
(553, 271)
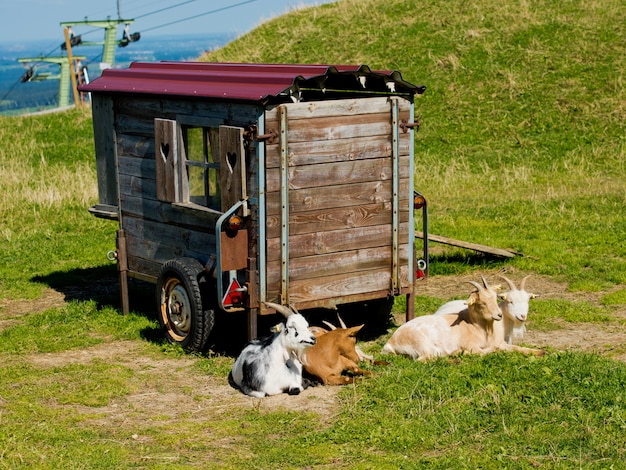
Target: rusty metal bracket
(251, 133)
(405, 125)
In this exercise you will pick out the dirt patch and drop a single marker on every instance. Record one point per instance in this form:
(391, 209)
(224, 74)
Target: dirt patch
(173, 387)
(204, 396)
(11, 309)
(608, 340)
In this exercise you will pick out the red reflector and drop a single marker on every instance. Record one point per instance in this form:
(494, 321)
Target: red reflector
(418, 202)
(234, 295)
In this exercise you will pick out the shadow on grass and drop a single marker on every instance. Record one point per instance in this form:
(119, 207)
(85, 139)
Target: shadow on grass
(459, 261)
(229, 334)
(101, 285)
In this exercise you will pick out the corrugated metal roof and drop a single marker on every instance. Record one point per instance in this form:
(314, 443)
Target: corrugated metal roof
(251, 82)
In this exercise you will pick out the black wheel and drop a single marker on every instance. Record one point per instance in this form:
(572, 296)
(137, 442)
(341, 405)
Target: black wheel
(182, 296)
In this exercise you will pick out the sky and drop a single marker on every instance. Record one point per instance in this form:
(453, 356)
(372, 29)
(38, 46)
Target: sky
(27, 20)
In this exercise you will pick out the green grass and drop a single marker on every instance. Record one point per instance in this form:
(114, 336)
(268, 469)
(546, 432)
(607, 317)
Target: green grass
(523, 138)
(522, 146)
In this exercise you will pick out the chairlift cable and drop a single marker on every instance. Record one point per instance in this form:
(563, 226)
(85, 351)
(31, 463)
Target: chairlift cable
(206, 13)
(217, 10)
(165, 9)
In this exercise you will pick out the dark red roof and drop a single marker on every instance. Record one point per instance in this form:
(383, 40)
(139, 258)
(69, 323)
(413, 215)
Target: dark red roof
(250, 82)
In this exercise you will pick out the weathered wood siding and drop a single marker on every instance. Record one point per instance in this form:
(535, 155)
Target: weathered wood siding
(156, 229)
(340, 198)
(105, 149)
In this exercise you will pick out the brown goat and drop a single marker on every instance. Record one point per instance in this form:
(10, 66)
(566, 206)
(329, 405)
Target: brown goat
(333, 353)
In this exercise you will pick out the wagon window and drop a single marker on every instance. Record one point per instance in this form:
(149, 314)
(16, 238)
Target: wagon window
(201, 152)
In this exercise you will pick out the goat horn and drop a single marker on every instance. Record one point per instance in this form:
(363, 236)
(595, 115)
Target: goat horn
(509, 282)
(293, 309)
(476, 285)
(279, 308)
(484, 281)
(523, 284)
(329, 325)
(341, 322)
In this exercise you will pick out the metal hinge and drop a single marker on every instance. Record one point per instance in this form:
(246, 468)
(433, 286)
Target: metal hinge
(405, 125)
(251, 133)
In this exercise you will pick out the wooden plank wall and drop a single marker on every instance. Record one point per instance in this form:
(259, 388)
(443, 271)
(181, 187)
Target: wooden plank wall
(157, 231)
(105, 150)
(340, 170)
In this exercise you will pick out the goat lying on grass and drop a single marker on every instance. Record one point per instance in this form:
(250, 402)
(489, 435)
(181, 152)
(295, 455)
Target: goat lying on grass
(334, 353)
(514, 306)
(469, 331)
(270, 365)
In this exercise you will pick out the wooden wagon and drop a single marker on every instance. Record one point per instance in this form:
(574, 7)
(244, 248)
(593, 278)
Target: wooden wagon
(235, 184)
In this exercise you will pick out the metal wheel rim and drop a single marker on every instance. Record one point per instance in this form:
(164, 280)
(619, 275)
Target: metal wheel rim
(176, 309)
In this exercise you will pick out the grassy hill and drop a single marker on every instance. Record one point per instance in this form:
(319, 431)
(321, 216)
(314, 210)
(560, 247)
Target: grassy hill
(524, 119)
(522, 146)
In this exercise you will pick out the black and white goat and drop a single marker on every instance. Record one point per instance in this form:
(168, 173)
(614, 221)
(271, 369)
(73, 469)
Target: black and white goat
(270, 365)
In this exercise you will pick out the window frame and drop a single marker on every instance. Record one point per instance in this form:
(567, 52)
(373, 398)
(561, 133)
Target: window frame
(184, 122)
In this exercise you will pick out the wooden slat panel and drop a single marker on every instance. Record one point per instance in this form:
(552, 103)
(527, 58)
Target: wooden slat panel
(339, 286)
(347, 107)
(318, 266)
(338, 150)
(338, 127)
(140, 167)
(145, 268)
(335, 219)
(324, 242)
(340, 196)
(340, 200)
(331, 174)
(135, 146)
(133, 125)
(161, 242)
(136, 186)
(156, 211)
(231, 113)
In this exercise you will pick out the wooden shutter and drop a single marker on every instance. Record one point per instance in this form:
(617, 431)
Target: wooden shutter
(166, 154)
(232, 166)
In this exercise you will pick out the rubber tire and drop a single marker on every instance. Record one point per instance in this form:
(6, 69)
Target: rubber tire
(183, 285)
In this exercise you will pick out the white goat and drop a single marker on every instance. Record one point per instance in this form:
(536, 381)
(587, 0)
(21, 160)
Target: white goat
(514, 306)
(469, 331)
(270, 365)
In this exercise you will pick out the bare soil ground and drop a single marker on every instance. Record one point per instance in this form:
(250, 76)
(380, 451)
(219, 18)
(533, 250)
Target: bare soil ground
(165, 379)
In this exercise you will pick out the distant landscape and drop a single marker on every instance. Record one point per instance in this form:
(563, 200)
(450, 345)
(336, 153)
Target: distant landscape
(17, 97)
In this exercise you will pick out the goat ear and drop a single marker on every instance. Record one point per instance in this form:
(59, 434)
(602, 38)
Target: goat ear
(505, 298)
(355, 329)
(472, 298)
(533, 296)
